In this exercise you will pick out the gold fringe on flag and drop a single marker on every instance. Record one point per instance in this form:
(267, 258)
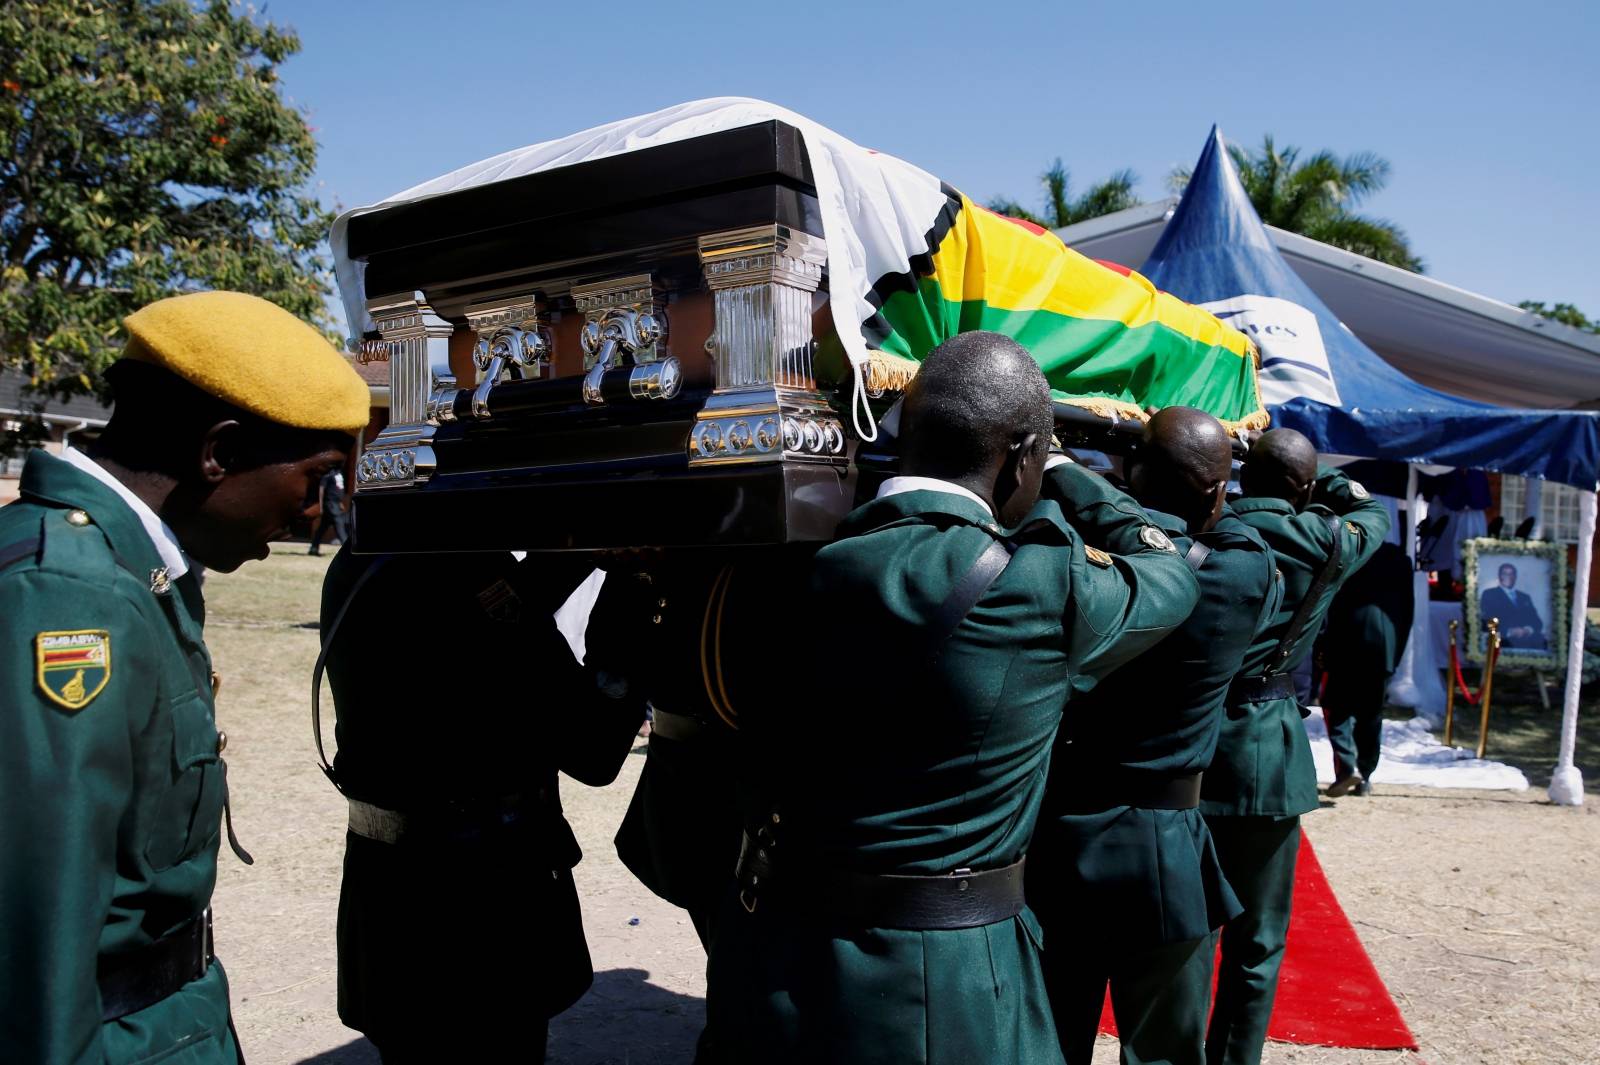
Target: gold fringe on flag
(883, 372)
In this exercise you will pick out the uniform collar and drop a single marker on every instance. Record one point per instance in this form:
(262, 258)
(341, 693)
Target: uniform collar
(919, 502)
(897, 485)
(1256, 504)
(160, 534)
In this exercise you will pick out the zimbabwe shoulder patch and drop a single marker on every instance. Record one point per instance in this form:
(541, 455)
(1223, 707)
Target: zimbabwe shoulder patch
(73, 667)
(1097, 556)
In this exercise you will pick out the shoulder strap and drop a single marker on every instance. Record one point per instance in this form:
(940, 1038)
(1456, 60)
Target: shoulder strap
(1308, 605)
(322, 662)
(11, 554)
(1196, 556)
(965, 595)
(974, 583)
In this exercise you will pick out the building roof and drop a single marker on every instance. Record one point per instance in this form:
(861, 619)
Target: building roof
(16, 398)
(1439, 335)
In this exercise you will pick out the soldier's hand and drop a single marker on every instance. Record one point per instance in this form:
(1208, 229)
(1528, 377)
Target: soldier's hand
(623, 625)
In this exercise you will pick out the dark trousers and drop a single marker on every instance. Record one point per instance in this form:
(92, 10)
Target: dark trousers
(1352, 708)
(1258, 857)
(338, 521)
(1159, 997)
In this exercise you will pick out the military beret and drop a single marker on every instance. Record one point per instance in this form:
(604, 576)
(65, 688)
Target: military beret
(252, 354)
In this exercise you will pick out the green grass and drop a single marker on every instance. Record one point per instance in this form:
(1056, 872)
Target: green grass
(285, 589)
(1524, 734)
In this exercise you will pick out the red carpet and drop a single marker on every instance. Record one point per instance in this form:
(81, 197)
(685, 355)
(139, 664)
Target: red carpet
(1329, 994)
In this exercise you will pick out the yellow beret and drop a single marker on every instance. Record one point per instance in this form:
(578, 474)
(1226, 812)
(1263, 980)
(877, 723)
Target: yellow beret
(252, 354)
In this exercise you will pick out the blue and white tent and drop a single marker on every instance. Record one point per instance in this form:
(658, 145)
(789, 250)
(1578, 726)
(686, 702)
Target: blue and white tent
(1317, 377)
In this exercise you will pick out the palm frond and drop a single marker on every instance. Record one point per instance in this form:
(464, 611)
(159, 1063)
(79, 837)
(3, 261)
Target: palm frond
(1373, 237)
(1057, 181)
(1109, 196)
(1013, 209)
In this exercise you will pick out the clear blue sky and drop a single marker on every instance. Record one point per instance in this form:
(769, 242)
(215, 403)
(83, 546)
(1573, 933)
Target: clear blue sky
(1488, 112)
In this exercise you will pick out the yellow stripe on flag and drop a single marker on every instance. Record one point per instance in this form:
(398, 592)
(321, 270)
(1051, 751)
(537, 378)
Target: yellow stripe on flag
(986, 258)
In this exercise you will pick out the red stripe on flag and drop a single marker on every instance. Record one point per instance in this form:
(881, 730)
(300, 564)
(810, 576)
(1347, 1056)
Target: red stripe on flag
(1029, 226)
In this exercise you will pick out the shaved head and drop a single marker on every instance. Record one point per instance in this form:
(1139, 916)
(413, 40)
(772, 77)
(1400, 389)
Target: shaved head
(1282, 464)
(1182, 465)
(977, 403)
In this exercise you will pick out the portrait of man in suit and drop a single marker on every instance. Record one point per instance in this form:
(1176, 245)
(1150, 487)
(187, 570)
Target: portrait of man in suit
(1522, 623)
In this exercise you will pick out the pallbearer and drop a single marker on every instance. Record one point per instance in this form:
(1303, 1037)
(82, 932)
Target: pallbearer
(459, 929)
(881, 916)
(1321, 526)
(112, 788)
(1122, 872)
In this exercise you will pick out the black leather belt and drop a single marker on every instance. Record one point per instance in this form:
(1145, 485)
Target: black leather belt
(137, 979)
(1261, 689)
(672, 726)
(453, 823)
(1142, 791)
(962, 899)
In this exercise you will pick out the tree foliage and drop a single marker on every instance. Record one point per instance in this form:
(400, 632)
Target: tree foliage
(145, 149)
(1565, 313)
(1061, 209)
(1317, 196)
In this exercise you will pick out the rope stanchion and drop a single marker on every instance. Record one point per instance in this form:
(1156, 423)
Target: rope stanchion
(1486, 690)
(1458, 682)
(1450, 685)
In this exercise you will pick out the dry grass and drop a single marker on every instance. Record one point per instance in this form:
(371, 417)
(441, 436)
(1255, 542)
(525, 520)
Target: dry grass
(1480, 910)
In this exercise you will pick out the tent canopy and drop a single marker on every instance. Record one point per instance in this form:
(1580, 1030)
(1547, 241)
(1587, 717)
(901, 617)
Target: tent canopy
(1462, 343)
(1317, 377)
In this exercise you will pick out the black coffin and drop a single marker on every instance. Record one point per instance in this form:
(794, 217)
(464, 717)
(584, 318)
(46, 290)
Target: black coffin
(617, 353)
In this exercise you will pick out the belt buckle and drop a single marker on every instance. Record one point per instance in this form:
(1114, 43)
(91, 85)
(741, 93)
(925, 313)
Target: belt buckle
(207, 946)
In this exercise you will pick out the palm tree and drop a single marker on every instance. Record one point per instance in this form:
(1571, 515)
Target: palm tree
(1565, 313)
(1060, 209)
(1316, 197)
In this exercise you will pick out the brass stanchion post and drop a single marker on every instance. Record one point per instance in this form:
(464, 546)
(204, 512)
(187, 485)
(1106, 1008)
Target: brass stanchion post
(1487, 688)
(1450, 685)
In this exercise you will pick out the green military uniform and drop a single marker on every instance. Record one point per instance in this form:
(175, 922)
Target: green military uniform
(1368, 625)
(1262, 779)
(111, 783)
(1122, 872)
(459, 929)
(925, 761)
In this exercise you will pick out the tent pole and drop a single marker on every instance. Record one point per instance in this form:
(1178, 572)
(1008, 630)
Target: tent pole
(1566, 783)
(1413, 519)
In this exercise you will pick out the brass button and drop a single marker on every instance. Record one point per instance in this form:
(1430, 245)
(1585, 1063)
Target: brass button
(222, 741)
(656, 620)
(661, 603)
(79, 518)
(216, 683)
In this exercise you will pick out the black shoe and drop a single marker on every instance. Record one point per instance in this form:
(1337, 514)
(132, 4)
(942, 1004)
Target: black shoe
(1363, 789)
(1343, 786)
(314, 552)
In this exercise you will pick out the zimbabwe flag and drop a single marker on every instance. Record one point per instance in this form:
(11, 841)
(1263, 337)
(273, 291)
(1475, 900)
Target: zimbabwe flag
(1106, 338)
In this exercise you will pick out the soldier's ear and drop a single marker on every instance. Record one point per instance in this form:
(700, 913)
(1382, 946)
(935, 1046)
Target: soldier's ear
(1027, 454)
(219, 451)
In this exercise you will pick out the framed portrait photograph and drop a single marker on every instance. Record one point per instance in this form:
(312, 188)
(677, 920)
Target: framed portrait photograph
(1523, 583)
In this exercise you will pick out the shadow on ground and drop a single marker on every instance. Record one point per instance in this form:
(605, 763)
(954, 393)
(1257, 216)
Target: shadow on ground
(626, 1019)
(1522, 732)
(623, 1020)
(355, 1052)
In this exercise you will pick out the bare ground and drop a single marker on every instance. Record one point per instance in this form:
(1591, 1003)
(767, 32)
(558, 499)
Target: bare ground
(1481, 910)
